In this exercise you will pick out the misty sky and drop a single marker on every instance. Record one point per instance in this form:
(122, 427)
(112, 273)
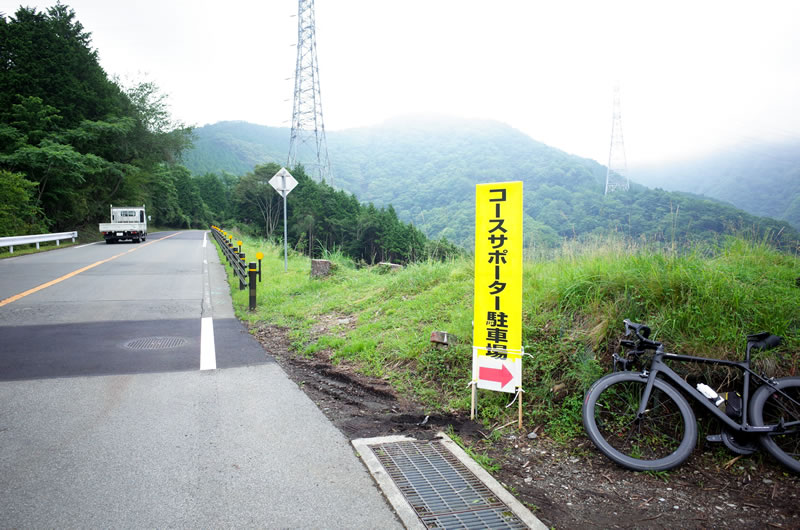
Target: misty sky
(694, 75)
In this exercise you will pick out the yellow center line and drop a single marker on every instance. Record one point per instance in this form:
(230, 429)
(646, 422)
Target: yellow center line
(76, 272)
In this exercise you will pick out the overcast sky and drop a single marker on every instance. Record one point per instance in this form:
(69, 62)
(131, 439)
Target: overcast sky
(694, 75)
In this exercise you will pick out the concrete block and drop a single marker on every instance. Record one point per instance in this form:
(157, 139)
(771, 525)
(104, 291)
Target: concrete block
(390, 266)
(321, 268)
(442, 338)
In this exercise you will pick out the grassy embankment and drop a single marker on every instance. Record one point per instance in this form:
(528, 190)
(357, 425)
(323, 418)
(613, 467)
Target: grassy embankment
(701, 303)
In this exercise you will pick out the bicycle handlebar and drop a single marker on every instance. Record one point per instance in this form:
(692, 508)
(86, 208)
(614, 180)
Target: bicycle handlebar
(642, 331)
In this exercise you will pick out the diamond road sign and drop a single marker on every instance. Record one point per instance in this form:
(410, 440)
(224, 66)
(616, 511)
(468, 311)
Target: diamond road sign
(283, 182)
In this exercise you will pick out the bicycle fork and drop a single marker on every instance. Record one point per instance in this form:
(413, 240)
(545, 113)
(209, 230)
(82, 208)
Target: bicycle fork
(648, 389)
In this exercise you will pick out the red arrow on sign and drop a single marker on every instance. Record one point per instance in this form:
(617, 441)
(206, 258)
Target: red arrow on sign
(497, 375)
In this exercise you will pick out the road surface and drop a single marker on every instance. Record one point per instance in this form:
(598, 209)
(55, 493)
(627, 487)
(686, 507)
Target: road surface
(108, 420)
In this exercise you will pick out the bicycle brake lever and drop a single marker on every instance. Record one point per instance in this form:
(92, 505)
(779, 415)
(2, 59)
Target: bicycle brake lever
(620, 360)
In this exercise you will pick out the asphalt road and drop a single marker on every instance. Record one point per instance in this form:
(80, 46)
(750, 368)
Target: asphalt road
(108, 420)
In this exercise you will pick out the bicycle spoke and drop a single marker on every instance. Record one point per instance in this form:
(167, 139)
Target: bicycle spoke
(656, 434)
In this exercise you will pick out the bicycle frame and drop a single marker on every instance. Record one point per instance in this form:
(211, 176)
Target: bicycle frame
(657, 366)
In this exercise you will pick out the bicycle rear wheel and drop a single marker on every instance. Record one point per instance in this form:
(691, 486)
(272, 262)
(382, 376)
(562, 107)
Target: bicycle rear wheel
(662, 439)
(769, 407)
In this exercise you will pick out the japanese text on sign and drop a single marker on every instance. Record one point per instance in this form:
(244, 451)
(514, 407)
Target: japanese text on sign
(497, 318)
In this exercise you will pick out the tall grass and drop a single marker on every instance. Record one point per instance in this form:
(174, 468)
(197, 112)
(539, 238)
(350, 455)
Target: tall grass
(701, 302)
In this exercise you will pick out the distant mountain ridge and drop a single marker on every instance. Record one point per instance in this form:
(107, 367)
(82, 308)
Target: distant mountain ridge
(761, 178)
(236, 147)
(427, 168)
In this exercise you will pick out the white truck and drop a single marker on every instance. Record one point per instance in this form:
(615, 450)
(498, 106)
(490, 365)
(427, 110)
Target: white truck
(127, 222)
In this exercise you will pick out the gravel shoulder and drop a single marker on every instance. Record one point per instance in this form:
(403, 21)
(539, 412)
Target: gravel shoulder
(571, 486)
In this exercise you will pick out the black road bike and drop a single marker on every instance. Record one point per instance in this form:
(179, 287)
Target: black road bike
(639, 417)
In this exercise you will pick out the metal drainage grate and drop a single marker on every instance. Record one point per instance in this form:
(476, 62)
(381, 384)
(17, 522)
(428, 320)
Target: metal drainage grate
(442, 491)
(155, 343)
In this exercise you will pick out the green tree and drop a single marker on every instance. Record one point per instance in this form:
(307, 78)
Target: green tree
(49, 55)
(256, 202)
(77, 135)
(18, 213)
(216, 196)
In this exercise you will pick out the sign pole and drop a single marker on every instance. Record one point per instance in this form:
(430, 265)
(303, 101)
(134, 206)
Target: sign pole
(284, 193)
(284, 182)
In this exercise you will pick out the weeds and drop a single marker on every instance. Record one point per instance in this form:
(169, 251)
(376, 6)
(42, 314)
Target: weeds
(702, 302)
(484, 460)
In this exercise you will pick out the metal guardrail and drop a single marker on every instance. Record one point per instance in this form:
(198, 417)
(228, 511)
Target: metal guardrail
(245, 272)
(13, 241)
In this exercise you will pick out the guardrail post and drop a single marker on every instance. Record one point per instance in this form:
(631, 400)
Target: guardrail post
(259, 255)
(252, 281)
(240, 271)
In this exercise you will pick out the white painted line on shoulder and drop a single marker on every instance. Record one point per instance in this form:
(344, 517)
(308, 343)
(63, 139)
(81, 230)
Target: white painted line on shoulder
(208, 354)
(205, 239)
(87, 244)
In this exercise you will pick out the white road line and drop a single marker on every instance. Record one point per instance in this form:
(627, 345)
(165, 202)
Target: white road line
(208, 354)
(205, 239)
(87, 244)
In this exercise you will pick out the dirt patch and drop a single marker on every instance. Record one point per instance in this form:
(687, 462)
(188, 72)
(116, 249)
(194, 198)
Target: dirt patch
(566, 487)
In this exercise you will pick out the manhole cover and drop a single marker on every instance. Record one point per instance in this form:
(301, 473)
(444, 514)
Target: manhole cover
(155, 343)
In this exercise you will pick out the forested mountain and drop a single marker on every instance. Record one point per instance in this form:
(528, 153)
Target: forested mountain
(236, 147)
(72, 140)
(761, 178)
(427, 168)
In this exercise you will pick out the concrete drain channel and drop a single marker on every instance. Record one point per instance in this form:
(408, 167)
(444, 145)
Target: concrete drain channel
(155, 343)
(435, 484)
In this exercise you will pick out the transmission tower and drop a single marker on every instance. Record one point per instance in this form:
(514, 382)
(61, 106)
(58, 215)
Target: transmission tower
(307, 144)
(617, 172)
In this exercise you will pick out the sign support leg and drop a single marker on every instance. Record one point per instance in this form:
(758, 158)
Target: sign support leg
(519, 392)
(474, 406)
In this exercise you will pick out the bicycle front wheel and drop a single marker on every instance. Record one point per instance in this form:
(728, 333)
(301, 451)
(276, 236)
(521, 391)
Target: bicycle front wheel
(770, 407)
(662, 439)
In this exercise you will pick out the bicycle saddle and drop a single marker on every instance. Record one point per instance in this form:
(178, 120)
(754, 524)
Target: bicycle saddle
(763, 341)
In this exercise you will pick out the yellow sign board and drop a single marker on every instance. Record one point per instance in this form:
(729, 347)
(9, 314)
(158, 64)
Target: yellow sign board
(497, 332)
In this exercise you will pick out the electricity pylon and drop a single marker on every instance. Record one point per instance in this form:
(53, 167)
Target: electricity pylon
(617, 171)
(307, 144)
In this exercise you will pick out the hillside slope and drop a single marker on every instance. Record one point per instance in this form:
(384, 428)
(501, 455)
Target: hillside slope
(235, 147)
(427, 168)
